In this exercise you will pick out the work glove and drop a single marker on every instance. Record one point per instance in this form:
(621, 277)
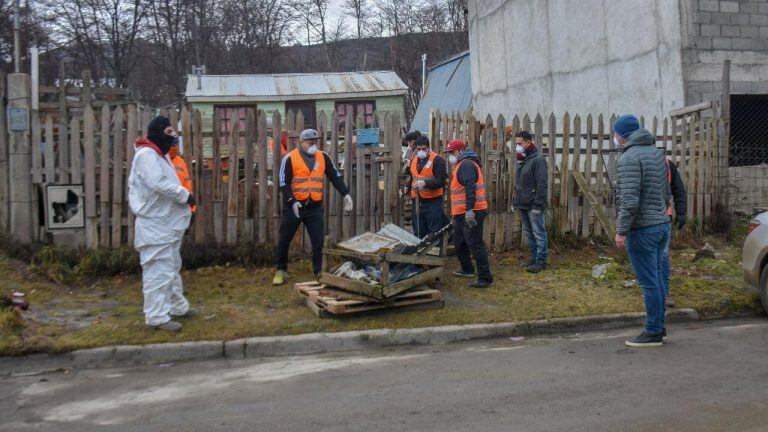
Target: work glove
(191, 200)
(535, 212)
(296, 208)
(680, 222)
(469, 218)
(419, 184)
(512, 207)
(348, 205)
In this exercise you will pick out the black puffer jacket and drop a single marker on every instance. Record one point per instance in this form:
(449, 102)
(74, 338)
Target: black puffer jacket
(531, 183)
(643, 189)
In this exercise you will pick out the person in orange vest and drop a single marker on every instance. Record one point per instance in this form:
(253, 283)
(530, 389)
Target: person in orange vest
(677, 186)
(468, 209)
(428, 177)
(301, 179)
(182, 171)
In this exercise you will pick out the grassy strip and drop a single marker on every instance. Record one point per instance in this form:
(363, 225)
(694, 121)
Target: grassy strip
(239, 301)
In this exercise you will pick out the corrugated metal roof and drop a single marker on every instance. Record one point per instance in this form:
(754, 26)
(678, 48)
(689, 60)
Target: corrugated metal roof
(449, 89)
(295, 86)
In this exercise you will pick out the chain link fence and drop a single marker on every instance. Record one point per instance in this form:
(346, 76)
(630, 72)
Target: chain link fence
(748, 155)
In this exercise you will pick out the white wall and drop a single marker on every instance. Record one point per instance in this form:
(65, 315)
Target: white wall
(580, 56)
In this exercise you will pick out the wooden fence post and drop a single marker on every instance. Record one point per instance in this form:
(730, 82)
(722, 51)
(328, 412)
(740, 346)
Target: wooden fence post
(89, 160)
(118, 172)
(104, 157)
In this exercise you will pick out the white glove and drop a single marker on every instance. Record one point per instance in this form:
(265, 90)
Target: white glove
(348, 203)
(296, 207)
(512, 208)
(419, 184)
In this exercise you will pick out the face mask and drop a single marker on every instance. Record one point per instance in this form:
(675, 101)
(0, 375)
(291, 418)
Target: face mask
(616, 142)
(421, 154)
(452, 159)
(312, 149)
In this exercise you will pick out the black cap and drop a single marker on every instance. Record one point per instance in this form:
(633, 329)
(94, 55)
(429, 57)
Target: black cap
(413, 136)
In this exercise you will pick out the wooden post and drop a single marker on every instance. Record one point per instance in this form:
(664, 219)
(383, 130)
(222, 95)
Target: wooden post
(117, 177)
(76, 173)
(573, 200)
(63, 148)
(5, 192)
(335, 200)
(564, 168)
(203, 200)
(276, 157)
(218, 203)
(130, 151)
(599, 172)
(104, 147)
(232, 179)
(397, 157)
(350, 220)
(49, 153)
(723, 195)
(89, 160)
(588, 176)
(551, 157)
(251, 135)
(261, 155)
(23, 221)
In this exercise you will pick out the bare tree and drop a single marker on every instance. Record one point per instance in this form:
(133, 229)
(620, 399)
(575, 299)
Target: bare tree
(107, 29)
(357, 10)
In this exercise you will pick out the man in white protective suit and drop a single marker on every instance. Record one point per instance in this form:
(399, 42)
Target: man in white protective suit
(162, 208)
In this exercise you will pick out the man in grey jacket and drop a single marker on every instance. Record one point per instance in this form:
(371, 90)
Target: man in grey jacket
(642, 224)
(531, 198)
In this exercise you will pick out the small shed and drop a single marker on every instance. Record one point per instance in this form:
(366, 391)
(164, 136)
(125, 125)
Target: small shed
(449, 89)
(311, 93)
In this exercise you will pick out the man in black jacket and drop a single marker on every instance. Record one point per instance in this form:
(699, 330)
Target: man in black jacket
(531, 199)
(681, 207)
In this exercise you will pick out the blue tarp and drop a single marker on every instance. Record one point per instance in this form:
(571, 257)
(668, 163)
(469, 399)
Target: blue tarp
(449, 89)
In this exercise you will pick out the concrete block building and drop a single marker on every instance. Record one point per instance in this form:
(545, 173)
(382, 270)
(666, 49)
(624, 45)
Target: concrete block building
(614, 56)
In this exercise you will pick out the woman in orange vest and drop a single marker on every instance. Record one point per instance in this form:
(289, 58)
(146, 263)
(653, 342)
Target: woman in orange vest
(428, 177)
(302, 176)
(181, 170)
(469, 209)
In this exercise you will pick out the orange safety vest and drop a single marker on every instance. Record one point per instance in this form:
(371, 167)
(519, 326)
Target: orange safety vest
(307, 184)
(183, 173)
(459, 192)
(427, 173)
(669, 180)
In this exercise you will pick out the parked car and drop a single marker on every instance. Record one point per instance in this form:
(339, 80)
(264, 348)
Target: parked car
(755, 262)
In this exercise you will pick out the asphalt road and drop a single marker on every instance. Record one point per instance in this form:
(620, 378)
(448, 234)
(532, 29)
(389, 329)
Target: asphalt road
(709, 377)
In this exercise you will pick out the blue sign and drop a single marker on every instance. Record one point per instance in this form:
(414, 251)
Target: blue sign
(367, 137)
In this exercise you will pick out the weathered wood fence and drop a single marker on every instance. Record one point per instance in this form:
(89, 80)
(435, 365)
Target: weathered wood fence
(581, 159)
(236, 180)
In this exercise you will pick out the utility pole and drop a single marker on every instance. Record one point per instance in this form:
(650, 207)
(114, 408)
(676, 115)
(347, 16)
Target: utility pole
(16, 38)
(423, 73)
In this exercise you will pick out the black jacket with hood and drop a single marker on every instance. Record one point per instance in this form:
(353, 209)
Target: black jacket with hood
(467, 175)
(531, 183)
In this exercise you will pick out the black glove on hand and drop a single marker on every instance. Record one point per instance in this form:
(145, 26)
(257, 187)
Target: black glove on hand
(680, 222)
(191, 200)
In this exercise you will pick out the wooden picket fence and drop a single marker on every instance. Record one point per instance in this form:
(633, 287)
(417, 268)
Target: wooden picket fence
(581, 159)
(238, 194)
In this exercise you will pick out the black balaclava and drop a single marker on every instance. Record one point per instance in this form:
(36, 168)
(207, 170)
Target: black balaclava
(156, 133)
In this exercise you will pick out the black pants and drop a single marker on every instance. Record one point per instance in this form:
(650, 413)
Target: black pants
(431, 217)
(312, 218)
(470, 240)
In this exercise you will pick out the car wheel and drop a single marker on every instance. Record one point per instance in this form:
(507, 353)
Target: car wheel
(764, 287)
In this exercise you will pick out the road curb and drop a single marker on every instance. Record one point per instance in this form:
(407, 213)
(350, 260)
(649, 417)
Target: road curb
(317, 343)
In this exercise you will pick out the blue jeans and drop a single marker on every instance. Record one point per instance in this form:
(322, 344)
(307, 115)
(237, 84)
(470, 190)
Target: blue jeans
(648, 251)
(665, 265)
(535, 231)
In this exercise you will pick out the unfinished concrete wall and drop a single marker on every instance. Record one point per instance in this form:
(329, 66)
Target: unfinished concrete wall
(586, 56)
(714, 31)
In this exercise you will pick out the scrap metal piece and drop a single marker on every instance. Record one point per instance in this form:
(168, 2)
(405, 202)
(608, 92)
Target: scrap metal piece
(401, 235)
(368, 242)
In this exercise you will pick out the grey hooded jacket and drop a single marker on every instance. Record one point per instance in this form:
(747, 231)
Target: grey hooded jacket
(643, 189)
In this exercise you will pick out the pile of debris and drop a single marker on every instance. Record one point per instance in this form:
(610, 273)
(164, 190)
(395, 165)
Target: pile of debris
(391, 268)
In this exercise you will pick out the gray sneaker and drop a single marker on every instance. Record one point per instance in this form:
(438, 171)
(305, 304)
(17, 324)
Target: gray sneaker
(171, 326)
(191, 312)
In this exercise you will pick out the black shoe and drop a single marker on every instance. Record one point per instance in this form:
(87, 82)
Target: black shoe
(528, 263)
(462, 273)
(646, 339)
(536, 267)
(480, 284)
(664, 334)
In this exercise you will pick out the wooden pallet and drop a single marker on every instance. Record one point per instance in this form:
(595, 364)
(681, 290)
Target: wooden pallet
(326, 301)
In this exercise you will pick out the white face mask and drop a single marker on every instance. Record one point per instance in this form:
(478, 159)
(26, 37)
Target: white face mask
(616, 141)
(421, 154)
(519, 149)
(312, 149)
(452, 159)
